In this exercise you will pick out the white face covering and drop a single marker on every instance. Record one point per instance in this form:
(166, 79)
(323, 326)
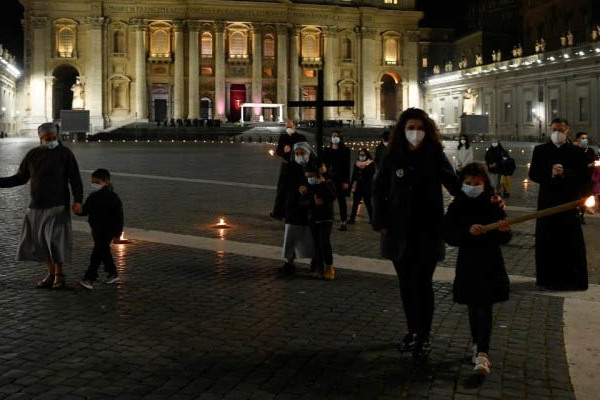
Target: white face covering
(494, 144)
(289, 131)
(415, 137)
(96, 186)
(472, 191)
(558, 138)
(301, 159)
(335, 140)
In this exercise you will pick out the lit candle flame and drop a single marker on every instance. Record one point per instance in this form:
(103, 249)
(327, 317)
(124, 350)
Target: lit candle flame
(590, 202)
(221, 222)
(528, 165)
(597, 163)
(271, 152)
(122, 237)
(526, 181)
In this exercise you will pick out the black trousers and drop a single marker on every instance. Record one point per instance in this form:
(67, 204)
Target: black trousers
(358, 196)
(279, 206)
(321, 233)
(341, 198)
(100, 254)
(416, 292)
(480, 320)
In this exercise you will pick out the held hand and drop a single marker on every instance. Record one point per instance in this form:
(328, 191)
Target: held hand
(303, 190)
(345, 186)
(476, 230)
(497, 199)
(77, 208)
(504, 226)
(287, 149)
(557, 170)
(318, 201)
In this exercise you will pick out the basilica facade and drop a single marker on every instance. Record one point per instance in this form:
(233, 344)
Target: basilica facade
(194, 59)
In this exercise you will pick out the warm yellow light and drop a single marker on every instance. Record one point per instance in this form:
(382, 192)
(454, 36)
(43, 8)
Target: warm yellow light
(590, 202)
(526, 181)
(597, 163)
(271, 152)
(528, 165)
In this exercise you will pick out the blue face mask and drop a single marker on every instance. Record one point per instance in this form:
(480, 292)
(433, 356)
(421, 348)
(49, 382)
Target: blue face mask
(96, 187)
(335, 140)
(472, 191)
(50, 145)
(302, 160)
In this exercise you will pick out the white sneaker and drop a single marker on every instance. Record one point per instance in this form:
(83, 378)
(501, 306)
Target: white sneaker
(474, 356)
(482, 364)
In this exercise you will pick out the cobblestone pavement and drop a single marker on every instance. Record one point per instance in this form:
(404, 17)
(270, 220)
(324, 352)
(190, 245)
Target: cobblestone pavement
(196, 324)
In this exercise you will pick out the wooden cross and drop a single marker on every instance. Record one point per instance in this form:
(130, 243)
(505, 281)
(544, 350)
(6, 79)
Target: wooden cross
(320, 104)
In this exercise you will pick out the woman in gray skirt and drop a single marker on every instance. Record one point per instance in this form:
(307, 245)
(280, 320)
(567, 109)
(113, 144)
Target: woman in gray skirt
(46, 233)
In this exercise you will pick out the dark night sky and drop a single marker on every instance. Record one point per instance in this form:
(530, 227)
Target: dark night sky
(438, 13)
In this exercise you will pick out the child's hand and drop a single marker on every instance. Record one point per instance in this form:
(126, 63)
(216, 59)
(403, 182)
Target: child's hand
(504, 226)
(318, 201)
(497, 199)
(476, 230)
(303, 190)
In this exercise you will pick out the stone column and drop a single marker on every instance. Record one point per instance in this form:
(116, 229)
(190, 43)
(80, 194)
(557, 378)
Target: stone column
(141, 86)
(220, 70)
(194, 71)
(178, 82)
(94, 81)
(49, 81)
(368, 84)
(294, 94)
(38, 72)
(282, 70)
(330, 64)
(256, 70)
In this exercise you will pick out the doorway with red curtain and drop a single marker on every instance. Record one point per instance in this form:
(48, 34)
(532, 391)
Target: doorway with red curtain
(237, 97)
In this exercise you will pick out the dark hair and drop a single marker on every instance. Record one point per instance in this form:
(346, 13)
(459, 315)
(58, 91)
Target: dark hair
(477, 170)
(339, 132)
(580, 134)
(101, 174)
(367, 153)
(398, 142)
(385, 135)
(467, 142)
(560, 121)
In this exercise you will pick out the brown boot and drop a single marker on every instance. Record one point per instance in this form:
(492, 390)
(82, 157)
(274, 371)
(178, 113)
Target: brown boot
(46, 283)
(329, 273)
(319, 273)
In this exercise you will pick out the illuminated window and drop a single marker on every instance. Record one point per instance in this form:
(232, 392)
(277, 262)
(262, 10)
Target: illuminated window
(269, 47)
(160, 43)
(237, 44)
(66, 42)
(310, 73)
(206, 45)
(424, 62)
(391, 51)
(310, 46)
(119, 42)
(207, 71)
(390, 1)
(268, 72)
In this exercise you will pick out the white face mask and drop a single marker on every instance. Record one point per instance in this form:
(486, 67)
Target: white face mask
(385, 144)
(415, 137)
(289, 131)
(50, 145)
(335, 140)
(302, 160)
(494, 144)
(462, 142)
(584, 142)
(96, 187)
(362, 158)
(312, 180)
(558, 138)
(472, 191)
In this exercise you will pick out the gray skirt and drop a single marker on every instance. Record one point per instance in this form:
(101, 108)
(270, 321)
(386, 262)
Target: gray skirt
(46, 236)
(297, 242)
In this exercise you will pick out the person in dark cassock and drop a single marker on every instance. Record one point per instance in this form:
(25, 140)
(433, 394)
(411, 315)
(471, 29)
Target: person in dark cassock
(561, 171)
(285, 145)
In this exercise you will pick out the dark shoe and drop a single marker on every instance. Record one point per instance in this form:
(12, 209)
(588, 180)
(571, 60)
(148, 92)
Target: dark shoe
(421, 350)
(46, 283)
(277, 217)
(288, 268)
(351, 221)
(507, 195)
(408, 343)
(343, 227)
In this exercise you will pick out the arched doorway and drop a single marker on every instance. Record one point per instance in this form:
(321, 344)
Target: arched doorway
(206, 108)
(389, 98)
(62, 96)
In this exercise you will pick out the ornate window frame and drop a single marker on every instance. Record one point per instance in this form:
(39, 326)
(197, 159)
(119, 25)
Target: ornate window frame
(62, 25)
(313, 59)
(114, 29)
(153, 29)
(386, 37)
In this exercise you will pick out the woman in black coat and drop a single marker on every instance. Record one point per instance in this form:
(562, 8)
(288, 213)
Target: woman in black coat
(408, 209)
(493, 159)
(337, 160)
(362, 183)
(481, 279)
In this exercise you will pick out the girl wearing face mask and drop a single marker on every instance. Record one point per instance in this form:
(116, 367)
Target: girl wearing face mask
(362, 182)
(337, 160)
(297, 241)
(493, 158)
(408, 209)
(464, 155)
(481, 279)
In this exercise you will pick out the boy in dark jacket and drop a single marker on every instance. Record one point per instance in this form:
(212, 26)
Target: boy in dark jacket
(319, 200)
(105, 216)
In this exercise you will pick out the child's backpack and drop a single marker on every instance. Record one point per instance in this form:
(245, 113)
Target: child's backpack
(508, 166)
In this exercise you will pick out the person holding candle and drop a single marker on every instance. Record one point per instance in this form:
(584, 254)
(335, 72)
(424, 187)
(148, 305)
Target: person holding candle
(562, 173)
(408, 210)
(481, 278)
(337, 161)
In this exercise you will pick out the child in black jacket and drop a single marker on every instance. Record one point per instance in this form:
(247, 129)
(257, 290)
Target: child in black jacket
(105, 216)
(319, 199)
(481, 279)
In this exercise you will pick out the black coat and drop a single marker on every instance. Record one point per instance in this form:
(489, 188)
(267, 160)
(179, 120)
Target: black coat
(288, 140)
(407, 200)
(294, 213)
(379, 154)
(326, 192)
(338, 163)
(363, 178)
(494, 156)
(105, 213)
(560, 254)
(481, 277)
